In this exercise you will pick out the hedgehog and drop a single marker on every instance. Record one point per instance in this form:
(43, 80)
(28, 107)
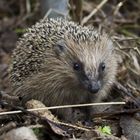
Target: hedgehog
(60, 62)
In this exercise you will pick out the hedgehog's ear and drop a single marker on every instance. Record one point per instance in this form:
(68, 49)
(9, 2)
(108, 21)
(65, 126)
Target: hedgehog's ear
(60, 47)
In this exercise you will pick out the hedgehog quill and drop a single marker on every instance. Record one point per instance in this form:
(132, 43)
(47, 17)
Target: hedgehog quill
(59, 62)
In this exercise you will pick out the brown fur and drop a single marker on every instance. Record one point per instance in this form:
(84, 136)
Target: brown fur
(53, 80)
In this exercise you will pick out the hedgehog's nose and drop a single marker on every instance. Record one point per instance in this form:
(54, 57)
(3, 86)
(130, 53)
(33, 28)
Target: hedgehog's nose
(94, 87)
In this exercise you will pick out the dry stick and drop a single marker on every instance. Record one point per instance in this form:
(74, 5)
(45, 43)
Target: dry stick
(42, 118)
(117, 8)
(121, 39)
(95, 115)
(85, 19)
(28, 6)
(107, 114)
(59, 107)
(120, 87)
(125, 92)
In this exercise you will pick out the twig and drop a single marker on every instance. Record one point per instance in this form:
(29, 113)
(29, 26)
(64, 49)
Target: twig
(133, 88)
(117, 8)
(48, 122)
(133, 48)
(119, 47)
(59, 107)
(107, 114)
(120, 87)
(85, 19)
(125, 92)
(125, 38)
(76, 7)
(28, 6)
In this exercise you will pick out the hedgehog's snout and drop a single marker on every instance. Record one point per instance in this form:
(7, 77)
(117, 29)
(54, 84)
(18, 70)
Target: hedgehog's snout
(94, 86)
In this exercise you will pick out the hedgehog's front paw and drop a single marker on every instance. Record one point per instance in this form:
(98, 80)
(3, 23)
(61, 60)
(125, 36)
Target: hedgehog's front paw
(72, 115)
(78, 115)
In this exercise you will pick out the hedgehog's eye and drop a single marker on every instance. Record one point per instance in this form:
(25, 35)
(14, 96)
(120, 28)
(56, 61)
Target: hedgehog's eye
(77, 66)
(102, 67)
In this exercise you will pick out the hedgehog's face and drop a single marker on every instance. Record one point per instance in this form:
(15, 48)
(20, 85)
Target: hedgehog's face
(91, 65)
(90, 80)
